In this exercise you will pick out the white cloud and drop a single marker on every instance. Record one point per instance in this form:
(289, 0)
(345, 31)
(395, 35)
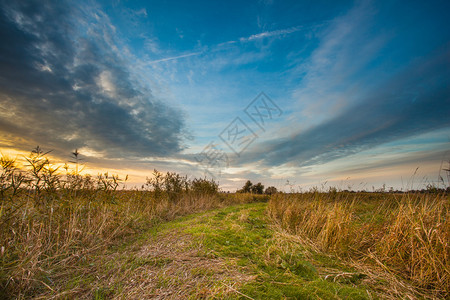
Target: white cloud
(142, 12)
(172, 58)
(275, 33)
(105, 82)
(335, 69)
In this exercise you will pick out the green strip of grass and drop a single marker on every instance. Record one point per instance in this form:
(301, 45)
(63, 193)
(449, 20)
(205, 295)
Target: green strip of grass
(274, 267)
(280, 271)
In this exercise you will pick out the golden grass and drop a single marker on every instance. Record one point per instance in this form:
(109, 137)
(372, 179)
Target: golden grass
(52, 224)
(405, 235)
(40, 243)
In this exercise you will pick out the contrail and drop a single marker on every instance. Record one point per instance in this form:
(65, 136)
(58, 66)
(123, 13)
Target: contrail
(172, 58)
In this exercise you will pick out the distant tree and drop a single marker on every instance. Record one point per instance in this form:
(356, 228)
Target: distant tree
(247, 188)
(257, 188)
(271, 190)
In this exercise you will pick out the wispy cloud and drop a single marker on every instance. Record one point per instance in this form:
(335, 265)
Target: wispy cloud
(396, 109)
(262, 35)
(142, 12)
(275, 33)
(354, 106)
(173, 58)
(267, 34)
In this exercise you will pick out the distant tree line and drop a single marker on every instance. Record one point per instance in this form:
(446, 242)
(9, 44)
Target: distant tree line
(258, 188)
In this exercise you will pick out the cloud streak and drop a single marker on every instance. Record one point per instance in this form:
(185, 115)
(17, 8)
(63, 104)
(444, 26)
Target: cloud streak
(173, 58)
(274, 33)
(346, 105)
(413, 102)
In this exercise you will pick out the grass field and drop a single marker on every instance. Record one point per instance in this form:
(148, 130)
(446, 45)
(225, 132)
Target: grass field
(403, 238)
(76, 237)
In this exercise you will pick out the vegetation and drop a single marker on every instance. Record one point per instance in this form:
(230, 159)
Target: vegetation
(53, 224)
(249, 187)
(63, 235)
(271, 265)
(401, 237)
(271, 190)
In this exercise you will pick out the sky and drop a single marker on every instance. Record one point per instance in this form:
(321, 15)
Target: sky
(293, 94)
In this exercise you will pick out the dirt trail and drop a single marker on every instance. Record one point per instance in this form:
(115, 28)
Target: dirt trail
(171, 264)
(177, 268)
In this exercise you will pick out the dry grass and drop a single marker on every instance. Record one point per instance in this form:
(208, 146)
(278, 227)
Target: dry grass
(39, 244)
(186, 272)
(401, 237)
(52, 225)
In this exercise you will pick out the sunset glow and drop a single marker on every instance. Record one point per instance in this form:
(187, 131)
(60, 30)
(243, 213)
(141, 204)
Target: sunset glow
(354, 94)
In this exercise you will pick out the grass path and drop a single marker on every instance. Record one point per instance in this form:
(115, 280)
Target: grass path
(231, 253)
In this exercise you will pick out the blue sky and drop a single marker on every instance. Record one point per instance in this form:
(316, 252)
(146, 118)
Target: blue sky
(355, 93)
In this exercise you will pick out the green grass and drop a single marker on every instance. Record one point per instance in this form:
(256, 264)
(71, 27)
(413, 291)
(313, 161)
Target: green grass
(64, 235)
(236, 252)
(229, 253)
(243, 233)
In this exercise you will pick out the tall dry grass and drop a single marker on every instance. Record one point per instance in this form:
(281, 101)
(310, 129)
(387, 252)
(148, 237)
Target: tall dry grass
(53, 224)
(406, 235)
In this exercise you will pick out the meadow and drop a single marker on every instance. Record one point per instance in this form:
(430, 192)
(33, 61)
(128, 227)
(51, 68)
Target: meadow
(399, 239)
(59, 231)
